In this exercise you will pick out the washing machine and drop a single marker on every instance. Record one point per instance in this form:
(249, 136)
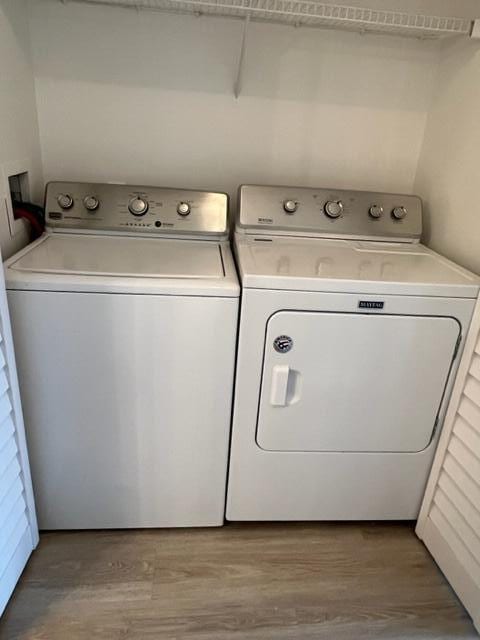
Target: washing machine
(124, 316)
(350, 336)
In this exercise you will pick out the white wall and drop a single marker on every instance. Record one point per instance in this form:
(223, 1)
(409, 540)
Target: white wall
(147, 97)
(448, 175)
(18, 119)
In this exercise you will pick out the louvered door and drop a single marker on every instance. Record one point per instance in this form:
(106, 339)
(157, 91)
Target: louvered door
(18, 527)
(449, 522)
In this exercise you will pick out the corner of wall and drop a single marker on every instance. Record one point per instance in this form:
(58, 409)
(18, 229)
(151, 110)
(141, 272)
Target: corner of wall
(19, 135)
(447, 171)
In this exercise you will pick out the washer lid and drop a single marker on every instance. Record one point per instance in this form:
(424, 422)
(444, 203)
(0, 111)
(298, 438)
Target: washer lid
(119, 256)
(110, 263)
(306, 264)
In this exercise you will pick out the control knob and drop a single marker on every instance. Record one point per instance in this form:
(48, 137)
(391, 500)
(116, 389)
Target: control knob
(91, 203)
(290, 206)
(138, 206)
(333, 208)
(399, 213)
(65, 201)
(183, 208)
(375, 211)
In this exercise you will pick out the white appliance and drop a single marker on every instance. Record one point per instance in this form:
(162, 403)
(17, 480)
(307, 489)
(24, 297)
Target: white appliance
(350, 335)
(125, 316)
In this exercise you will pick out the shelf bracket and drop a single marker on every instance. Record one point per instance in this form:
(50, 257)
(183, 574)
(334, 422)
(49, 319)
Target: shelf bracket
(237, 87)
(475, 33)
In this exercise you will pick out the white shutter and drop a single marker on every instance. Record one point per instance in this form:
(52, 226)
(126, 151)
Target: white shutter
(18, 526)
(449, 521)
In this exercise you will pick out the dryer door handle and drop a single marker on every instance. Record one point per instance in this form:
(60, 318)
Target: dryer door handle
(279, 389)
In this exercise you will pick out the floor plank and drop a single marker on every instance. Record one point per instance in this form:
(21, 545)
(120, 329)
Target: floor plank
(251, 581)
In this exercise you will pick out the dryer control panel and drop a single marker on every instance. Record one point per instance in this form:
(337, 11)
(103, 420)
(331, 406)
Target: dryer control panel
(135, 209)
(334, 213)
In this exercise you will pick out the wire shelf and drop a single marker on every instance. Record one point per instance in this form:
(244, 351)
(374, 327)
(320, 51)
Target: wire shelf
(311, 13)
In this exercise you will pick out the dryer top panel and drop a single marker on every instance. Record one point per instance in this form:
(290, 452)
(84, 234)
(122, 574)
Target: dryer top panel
(315, 264)
(332, 213)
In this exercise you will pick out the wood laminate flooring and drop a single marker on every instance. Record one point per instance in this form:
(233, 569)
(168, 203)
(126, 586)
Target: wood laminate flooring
(249, 581)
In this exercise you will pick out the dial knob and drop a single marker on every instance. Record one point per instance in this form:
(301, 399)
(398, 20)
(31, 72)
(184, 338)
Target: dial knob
(399, 213)
(138, 206)
(290, 206)
(333, 208)
(65, 201)
(183, 208)
(375, 211)
(91, 203)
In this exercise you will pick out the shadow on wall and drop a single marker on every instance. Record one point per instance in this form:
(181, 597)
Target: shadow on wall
(148, 97)
(447, 175)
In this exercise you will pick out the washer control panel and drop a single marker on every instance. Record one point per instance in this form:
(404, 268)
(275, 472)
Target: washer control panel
(140, 209)
(329, 212)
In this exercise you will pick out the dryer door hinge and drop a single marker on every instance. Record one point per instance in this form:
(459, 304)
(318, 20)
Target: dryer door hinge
(457, 346)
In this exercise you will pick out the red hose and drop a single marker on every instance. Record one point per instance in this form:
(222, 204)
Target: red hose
(37, 228)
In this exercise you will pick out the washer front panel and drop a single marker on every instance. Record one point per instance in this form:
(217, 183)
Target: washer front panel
(127, 403)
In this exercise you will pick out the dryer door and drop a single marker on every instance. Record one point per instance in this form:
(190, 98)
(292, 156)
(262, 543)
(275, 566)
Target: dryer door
(353, 382)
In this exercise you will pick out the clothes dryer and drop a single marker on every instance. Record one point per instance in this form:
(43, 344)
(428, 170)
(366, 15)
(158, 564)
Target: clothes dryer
(349, 341)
